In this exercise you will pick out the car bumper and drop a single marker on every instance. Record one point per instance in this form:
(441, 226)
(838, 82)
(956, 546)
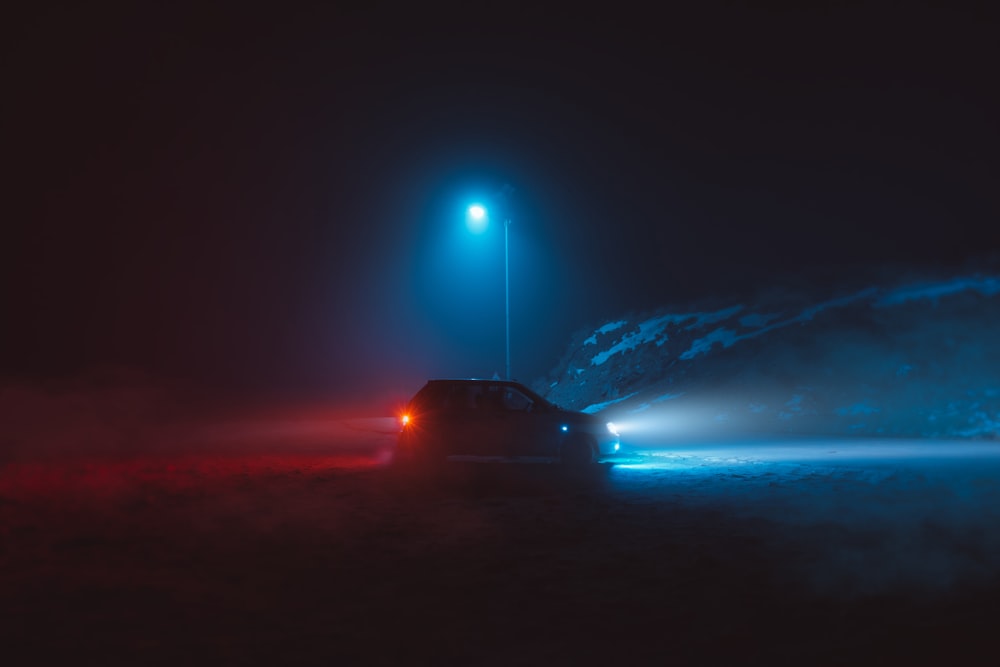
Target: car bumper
(608, 448)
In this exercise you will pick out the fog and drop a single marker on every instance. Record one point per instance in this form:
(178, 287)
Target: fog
(863, 516)
(851, 517)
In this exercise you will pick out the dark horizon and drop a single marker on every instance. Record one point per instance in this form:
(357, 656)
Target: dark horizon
(270, 200)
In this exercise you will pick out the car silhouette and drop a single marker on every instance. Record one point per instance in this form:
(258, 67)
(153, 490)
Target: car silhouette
(498, 418)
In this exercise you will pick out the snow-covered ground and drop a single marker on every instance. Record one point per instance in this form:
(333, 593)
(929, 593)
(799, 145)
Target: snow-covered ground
(287, 537)
(884, 514)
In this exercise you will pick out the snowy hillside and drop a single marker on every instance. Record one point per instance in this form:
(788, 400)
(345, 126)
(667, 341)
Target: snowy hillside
(916, 359)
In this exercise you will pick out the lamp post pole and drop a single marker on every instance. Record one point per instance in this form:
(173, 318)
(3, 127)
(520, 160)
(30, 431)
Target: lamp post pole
(506, 271)
(477, 220)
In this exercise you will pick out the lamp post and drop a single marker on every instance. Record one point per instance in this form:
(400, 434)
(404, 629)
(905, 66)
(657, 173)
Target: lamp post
(506, 286)
(477, 219)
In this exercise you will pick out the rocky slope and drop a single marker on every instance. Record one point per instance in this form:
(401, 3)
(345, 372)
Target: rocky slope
(920, 358)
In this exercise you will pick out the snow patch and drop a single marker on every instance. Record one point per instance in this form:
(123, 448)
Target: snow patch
(856, 409)
(607, 328)
(701, 346)
(934, 291)
(839, 302)
(649, 331)
(756, 320)
(794, 405)
(597, 407)
(652, 330)
(729, 337)
(713, 318)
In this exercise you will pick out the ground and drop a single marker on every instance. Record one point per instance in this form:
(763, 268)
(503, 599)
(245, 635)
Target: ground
(294, 541)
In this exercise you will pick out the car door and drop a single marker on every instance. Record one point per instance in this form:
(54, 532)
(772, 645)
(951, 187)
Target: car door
(491, 420)
(530, 429)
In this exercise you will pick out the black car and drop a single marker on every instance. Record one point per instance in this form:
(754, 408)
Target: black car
(498, 418)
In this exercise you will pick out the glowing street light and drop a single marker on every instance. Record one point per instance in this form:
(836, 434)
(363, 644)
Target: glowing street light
(477, 219)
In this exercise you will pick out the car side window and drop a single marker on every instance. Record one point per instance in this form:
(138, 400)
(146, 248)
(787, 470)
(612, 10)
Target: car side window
(455, 398)
(488, 398)
(515, 400)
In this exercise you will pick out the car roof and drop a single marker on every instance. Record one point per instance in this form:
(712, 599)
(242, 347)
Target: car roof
(476, 381)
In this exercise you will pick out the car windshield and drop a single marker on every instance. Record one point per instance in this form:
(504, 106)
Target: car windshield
(476, 395)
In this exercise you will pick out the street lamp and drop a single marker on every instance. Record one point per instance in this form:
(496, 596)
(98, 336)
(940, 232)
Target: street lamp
(477, 219)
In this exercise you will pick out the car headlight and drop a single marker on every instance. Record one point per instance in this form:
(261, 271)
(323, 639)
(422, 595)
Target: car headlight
(612, 429)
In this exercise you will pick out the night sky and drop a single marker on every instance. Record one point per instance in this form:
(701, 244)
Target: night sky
(271, 199)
